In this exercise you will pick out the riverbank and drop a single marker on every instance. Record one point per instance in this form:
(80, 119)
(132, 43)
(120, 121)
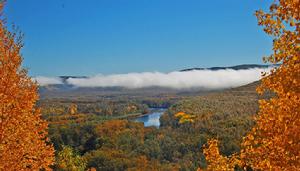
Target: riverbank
(137, 115)
(152, 118)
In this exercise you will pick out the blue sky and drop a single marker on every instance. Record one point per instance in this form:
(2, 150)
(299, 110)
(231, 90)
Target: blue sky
(72, 37)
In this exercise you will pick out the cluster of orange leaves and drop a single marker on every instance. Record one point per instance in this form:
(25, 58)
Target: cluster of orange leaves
(274, 142)
(23, 134)
(217, 161)
(184, 117)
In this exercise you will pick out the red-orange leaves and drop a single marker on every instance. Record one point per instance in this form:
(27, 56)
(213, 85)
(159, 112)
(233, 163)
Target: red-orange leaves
(273, 144)
(23, 134)
(217, 162)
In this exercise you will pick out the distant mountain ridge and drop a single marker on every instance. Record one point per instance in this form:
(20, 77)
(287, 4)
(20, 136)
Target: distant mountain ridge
(66, 85)
(67, 90)
(64, 78)
(236, 67)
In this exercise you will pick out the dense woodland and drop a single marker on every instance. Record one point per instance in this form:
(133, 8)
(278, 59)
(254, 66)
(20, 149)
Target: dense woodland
(110, 141)
(234, 129)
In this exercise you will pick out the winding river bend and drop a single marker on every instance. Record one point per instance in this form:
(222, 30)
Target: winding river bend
(151, 119)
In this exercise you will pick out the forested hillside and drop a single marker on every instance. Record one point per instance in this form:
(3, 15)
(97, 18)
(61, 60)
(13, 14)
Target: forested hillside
(185, 120)
(106, 143)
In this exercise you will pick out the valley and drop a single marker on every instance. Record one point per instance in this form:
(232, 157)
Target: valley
(118, 129)
(149, 85)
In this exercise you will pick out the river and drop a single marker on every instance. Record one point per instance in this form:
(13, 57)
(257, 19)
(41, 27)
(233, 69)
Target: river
(151, 119)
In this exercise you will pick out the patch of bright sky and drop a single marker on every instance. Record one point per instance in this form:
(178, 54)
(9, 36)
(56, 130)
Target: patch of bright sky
(72, 37)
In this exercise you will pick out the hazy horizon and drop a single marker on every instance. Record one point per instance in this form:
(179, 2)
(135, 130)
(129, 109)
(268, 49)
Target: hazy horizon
(204, 79)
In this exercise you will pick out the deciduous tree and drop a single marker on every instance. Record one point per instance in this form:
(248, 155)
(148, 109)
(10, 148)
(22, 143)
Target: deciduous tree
(23, 134)
(68, 160)
(273, 144)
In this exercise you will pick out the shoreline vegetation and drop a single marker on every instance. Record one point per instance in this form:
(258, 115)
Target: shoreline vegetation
(251, 127)
(137, 115)
(111, 138)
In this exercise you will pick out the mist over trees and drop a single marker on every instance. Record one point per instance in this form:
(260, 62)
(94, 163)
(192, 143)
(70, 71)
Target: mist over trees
(238, 128)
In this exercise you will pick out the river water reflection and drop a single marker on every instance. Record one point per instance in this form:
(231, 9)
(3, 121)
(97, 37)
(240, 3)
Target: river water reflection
(151, 119)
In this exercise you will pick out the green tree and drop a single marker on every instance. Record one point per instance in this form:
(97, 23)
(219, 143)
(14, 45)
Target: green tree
(68, 160)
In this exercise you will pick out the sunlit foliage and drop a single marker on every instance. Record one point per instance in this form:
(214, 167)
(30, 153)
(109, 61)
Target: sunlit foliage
(216, 161)
(73, 109)
(67, 159)
(23, 134)
(104, 142)
(273, 144)
(184, 117)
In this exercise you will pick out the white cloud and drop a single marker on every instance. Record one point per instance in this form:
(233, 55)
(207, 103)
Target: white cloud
(43, 81)
(205, 79)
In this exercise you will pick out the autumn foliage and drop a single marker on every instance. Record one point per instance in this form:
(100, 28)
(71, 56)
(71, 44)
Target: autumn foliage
(184, 117)
(217, 161)
(23, 134)
(68, 160)
(273, 144)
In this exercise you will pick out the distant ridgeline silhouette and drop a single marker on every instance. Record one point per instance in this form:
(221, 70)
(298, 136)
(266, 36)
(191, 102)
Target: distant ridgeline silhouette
(65, 84)
(64, 78)
(237, 67)
(65, 89)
